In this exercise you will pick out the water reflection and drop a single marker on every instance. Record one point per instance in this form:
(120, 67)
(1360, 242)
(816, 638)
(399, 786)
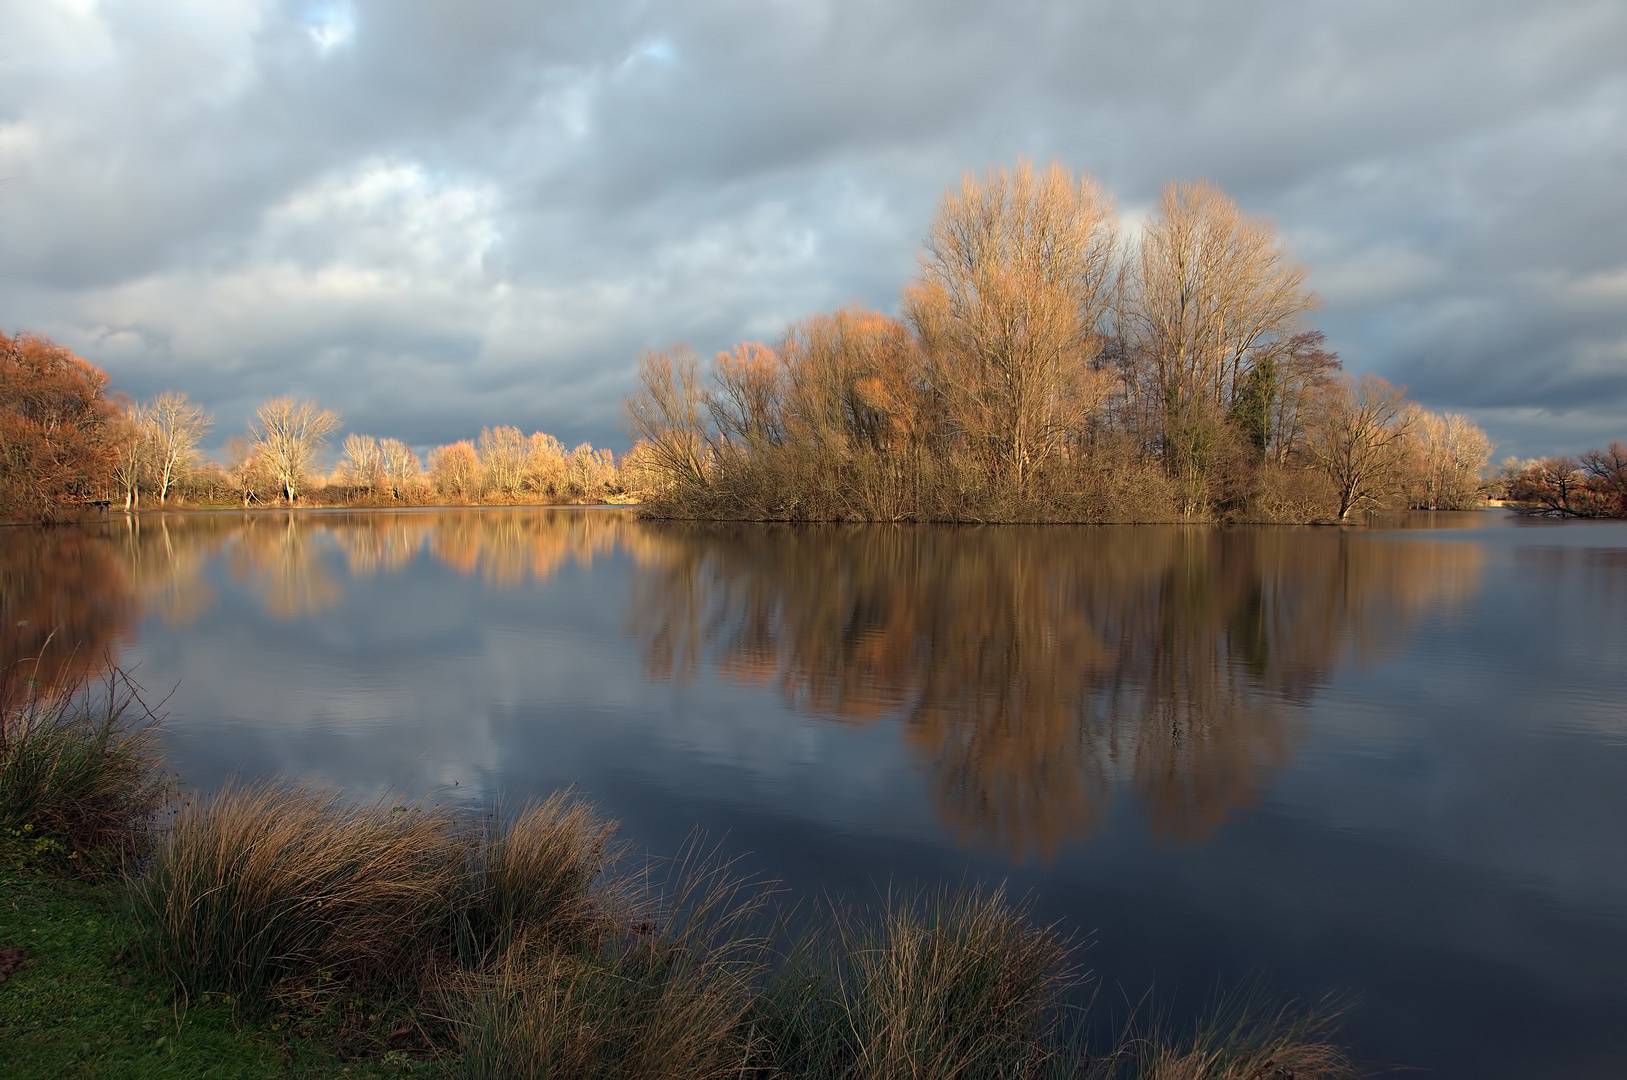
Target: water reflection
(1037, 669)
(65, 601)
(70, 596)
(1034, 672)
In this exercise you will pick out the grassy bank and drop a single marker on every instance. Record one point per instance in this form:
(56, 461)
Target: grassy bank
(275, 929)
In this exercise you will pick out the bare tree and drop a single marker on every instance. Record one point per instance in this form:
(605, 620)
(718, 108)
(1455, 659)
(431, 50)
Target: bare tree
(1015, 279)
(246, 467)
(1607, 476)
(747, 404)
(667, 414)
(177, 424)
(1213, 299)
(288, 435)
(363, 462)
(591, 471)
(132, 464)
(455, 469)
(544, 463)
(1301, 374)
(1449, 452)
(1360, 441)
(503, 456)
(400, 467)
(848, 379)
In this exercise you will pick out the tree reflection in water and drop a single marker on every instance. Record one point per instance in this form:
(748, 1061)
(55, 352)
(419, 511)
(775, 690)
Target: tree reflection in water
(1035, 669)
(70, 595)
(65, 603)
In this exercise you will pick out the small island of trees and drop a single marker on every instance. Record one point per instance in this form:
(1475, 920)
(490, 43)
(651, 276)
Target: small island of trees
(1046, 368)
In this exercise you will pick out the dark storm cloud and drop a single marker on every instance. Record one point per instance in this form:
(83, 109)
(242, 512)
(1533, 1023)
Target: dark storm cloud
(435, 216)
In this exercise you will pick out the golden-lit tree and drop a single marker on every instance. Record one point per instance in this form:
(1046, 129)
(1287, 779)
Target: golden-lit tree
(1449, 453)
(133, 456)
(668, 415)
(749, 399)
(455, 470)
(503, 453)
(400, 467)
(851, 382)
(177, 424)
(544, 464)
(591, 472)
(1016, 277)
(1212, 302)
(1360, 440)
(288, 436)
(363, 463)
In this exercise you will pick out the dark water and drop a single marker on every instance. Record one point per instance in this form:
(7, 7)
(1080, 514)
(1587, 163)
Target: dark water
(1390, 763)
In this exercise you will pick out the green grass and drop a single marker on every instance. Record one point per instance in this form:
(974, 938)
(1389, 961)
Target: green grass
(84, 1010)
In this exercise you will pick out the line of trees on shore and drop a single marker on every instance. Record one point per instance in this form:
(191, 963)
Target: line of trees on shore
(1593, 485)
(65, 442)
(1043, 368)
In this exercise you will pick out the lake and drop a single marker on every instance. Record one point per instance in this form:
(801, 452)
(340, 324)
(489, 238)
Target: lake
(1389, 764)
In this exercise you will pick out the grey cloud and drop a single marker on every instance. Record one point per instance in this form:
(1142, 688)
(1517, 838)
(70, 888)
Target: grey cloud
(435, 216)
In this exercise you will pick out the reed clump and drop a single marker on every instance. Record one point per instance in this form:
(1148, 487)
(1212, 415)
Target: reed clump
(267, 890)
(1243, 1041)
(669, 993)
(533, 947)
(950, 986)
(81, 776)
(272, 893)
(540, 879)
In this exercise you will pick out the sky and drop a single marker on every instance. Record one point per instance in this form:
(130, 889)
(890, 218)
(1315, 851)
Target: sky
(436, 216)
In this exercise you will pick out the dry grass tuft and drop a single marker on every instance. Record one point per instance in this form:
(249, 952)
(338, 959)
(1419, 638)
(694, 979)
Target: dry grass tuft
(267, 889)
(1243, 1043)
(80, 773)
(544, 877)
(949, 987)
(533, 947)
(667, 995)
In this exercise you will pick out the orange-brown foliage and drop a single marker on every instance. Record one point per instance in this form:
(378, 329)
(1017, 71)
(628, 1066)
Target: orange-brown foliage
(58, 430)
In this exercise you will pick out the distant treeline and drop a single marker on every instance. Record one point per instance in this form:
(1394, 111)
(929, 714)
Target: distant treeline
(65, 443)
(1045, 368)
(1593, 485)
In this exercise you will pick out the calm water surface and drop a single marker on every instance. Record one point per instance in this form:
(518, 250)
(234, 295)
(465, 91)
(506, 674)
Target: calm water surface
(1389, 763)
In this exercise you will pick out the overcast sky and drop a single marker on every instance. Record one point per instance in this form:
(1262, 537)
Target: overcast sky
(435, 216)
